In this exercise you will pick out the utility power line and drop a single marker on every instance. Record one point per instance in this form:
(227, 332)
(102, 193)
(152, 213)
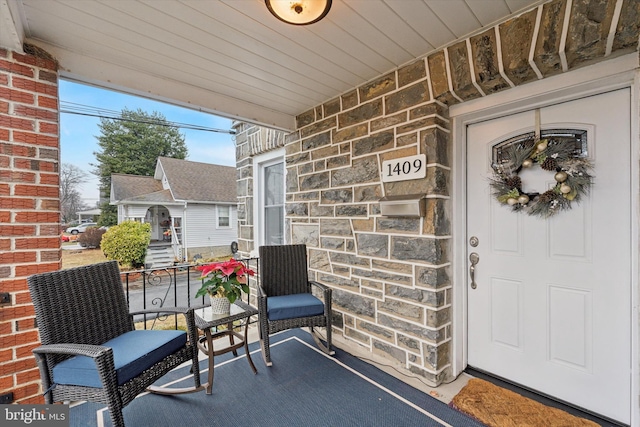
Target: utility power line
(86, 110)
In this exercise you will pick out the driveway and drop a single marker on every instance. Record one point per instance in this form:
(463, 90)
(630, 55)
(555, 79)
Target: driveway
(163, 288)
(74, 247)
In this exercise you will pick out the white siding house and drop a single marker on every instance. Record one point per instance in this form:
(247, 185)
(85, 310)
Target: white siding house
(202, 216)
(191, 206)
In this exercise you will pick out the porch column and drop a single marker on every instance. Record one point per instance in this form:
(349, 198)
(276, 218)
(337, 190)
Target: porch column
(29, 208)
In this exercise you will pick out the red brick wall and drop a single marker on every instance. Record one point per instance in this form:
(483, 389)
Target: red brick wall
(29, 207)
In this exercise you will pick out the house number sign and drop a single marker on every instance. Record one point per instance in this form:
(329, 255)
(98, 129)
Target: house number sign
(405, 168)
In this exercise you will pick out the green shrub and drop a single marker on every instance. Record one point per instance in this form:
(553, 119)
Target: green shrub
(91, 237)
(127, 243)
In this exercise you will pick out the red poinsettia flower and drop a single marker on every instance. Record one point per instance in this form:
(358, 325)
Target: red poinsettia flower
(229, 267)
(224, 279)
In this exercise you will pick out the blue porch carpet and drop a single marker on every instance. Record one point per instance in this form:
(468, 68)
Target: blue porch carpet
(304, 387)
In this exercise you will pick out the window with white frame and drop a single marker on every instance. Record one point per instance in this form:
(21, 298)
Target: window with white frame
(269, 198)
(224, 216)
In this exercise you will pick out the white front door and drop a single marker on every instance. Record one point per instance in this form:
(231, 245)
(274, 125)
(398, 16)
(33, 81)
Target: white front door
(552, 307)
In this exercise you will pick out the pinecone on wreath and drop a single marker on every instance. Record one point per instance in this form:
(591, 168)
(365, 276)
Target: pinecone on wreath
(547, 197)
(549, 164)
(513, 181)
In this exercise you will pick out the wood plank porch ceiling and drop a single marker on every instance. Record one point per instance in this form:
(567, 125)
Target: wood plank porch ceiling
(232, 58)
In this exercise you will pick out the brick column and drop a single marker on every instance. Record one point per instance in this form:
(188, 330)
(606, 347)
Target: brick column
(29, 208)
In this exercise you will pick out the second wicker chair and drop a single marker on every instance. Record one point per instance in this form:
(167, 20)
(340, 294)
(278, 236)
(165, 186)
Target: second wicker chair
(286, 300)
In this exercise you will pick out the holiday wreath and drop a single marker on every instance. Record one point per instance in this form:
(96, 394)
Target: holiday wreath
(572, 176)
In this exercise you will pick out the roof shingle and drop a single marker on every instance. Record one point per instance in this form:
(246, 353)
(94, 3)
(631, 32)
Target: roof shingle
(188, 181)
(202, 182)
(124, 186)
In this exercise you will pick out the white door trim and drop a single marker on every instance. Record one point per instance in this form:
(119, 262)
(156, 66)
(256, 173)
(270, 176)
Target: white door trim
(260, 161)
(603, 77)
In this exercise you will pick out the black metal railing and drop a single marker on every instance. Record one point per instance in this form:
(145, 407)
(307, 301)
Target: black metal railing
(174, 286)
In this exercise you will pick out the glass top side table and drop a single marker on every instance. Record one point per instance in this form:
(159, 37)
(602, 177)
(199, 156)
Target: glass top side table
(206, 320)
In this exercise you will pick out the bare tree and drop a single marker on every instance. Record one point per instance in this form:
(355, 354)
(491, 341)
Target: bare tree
(71, 202)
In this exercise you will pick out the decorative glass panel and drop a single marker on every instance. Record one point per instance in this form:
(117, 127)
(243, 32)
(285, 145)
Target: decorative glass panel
(577, 137)
(274, 204)
(274, 227)
(274, 184)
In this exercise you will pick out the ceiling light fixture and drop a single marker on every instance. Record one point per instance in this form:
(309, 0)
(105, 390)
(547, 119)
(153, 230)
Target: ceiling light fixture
(299, 12)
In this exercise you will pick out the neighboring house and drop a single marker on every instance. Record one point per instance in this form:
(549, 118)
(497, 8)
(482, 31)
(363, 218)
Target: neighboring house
(89, 215)
(192, 205)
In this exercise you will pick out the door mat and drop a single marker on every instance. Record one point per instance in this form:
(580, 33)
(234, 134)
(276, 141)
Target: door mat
(498, 407)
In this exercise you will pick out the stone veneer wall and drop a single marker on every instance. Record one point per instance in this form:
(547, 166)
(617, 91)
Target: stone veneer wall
(391, 276)
(250, 141)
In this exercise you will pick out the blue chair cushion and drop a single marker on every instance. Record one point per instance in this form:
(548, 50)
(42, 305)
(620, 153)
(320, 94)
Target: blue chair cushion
(293, 306)
(133, 352)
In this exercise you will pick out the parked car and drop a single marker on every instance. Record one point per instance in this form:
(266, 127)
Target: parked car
(81, 228)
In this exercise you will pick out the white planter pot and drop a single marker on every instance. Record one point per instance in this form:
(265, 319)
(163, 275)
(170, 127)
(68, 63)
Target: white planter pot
(220, 305)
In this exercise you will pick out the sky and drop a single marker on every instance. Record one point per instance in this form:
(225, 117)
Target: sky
(78, 133)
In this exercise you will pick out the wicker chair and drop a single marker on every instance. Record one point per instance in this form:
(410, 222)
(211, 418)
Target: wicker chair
(90, 349)
(285, 299)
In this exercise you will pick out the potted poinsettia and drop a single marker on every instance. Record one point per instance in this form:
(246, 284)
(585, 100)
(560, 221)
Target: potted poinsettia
(224, 282)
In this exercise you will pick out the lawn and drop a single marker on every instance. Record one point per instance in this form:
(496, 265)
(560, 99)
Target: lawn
(76, 258)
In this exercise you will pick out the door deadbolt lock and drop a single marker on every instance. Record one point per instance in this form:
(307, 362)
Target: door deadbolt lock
(473, 241)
